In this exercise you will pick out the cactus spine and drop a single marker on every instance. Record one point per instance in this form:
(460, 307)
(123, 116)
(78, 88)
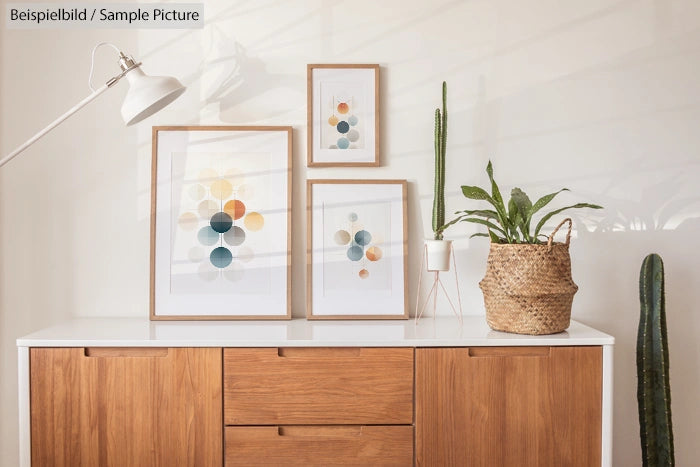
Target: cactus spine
(440, 147)
(653, 389)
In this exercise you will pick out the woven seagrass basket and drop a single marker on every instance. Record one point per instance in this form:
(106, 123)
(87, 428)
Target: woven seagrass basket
(528, 288)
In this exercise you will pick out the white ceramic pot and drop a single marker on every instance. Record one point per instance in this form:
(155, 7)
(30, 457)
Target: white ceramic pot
(438, 254)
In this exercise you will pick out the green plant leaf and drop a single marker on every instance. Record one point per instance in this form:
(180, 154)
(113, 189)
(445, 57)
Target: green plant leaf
(557, 211)
(522, 206)
(487, 213)
(512, 210)
(495, 238)
(522, 202)
(474, 192)
(488, 224)
(479, 234)
(512, 226)
(542, 202)
(445, 226)
(498, 200)
(520, 224)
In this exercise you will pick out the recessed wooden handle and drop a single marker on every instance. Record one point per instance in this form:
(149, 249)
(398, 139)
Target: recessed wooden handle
(126, 351)
(318, 352)
(490, 352)
(349, 431)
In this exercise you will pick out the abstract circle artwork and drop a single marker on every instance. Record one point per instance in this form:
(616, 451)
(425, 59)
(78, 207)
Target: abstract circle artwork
(363, 238)
(221, 257)
(374, 253)
(207, 236)
(342, 127)
(221, 224)
(355, 253)
(254, 221)
(341, 121)
(358, 241)
(235, 236)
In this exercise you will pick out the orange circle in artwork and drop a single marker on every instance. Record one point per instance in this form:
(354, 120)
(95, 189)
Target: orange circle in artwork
(364, 274)
(332, 120)
(343, 108)
(374, 253)
(254, 221)
(234, 208)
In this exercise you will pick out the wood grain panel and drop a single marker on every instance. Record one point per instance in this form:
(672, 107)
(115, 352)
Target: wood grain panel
(319, 445)
(532, 408)
(366, 386)
(116, 410)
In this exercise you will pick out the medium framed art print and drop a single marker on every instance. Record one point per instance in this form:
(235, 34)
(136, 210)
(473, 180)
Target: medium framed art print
(356, 249)
(220, 222)
(343, 115)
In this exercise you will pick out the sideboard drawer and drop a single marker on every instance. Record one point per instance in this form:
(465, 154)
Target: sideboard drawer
(315, 386)
(319, 445)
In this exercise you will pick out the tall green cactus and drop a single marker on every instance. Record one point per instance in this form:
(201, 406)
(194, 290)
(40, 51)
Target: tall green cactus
(440, 147)
(653, 389)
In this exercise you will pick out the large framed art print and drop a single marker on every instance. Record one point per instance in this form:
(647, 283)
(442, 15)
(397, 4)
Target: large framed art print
(220, 223)
(343, 115)
(356, 249)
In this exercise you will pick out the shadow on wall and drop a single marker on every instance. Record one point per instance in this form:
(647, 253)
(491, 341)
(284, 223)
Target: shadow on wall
(231, 78)
(664, 220)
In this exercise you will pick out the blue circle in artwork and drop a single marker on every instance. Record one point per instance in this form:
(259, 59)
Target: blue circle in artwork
(342, 127)
(207, 236)
(221, 222)
(343, 143)
(363, 238)
(352, 120)
(355, 253)
(221, 257)
(352, 217)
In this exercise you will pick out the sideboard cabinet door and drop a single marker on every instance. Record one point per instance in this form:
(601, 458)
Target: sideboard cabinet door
(508, 406)
(126, 406)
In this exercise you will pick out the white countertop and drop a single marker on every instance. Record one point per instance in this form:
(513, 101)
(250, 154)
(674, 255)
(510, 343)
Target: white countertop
(429, 332)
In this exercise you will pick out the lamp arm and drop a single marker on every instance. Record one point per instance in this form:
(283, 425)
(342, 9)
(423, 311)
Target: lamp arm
(59, 120)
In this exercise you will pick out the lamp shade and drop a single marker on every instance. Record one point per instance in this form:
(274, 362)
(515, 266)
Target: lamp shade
(148, 94)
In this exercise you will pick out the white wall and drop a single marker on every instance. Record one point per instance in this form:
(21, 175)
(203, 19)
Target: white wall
(601, 96)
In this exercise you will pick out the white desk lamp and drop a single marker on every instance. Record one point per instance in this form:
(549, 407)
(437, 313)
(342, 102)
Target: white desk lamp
(146, 96)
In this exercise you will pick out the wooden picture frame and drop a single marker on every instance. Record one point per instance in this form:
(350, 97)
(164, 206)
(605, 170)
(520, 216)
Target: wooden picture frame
(221, 222)
(343, 115)
(356, 249)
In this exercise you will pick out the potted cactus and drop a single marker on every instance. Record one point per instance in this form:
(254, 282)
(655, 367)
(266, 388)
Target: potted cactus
(653, 385)
(438, 249)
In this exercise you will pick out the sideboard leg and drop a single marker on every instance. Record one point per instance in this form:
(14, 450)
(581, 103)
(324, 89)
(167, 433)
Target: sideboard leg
(607, 428)
(25, 449)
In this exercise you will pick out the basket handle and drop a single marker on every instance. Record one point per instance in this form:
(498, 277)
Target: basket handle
(568, 234)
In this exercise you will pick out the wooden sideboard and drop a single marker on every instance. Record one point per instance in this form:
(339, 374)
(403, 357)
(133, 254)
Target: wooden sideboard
(132, 392)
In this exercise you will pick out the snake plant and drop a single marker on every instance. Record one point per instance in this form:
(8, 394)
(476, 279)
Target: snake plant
(509, 222)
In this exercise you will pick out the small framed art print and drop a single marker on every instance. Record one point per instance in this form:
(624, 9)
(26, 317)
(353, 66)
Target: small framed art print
(220, 222)
(343, 115)
(356, 249)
